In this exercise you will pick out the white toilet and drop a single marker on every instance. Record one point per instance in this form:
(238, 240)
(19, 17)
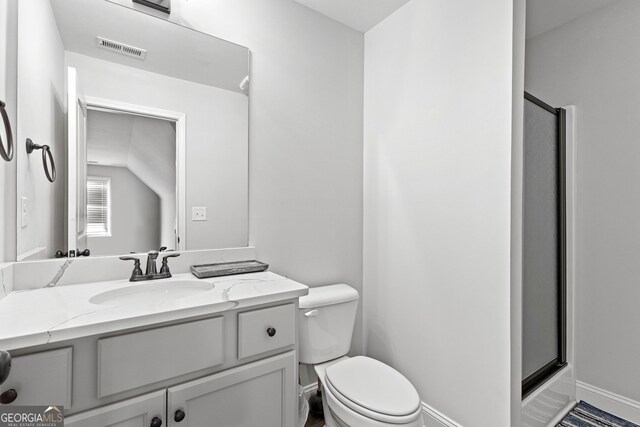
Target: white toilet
(358, 391)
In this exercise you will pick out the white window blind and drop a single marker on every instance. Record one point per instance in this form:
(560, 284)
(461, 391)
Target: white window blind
(98, 206)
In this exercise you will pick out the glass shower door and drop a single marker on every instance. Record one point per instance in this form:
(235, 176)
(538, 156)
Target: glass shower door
(544, 328)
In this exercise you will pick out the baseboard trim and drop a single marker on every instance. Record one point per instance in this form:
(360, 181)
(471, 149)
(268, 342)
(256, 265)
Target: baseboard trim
(433, 417)
(618, 405)
(309, 389)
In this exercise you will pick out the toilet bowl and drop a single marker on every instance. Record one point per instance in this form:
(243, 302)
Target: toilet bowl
(358, 391)
(365, 392)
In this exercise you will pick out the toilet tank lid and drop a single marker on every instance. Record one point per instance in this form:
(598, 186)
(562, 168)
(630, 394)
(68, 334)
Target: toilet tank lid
(327, 295)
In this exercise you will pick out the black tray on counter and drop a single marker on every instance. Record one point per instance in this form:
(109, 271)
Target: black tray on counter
(204, 271)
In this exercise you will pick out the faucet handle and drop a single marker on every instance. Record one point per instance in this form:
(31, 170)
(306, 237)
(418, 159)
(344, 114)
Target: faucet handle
(171, 255)
(137, 271)
(165, 263)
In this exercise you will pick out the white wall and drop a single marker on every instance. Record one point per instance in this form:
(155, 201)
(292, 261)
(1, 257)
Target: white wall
(305, 154)
(132, 230)
(517, 189)
(593, 63)
(8, 84)
(217, 149)
(152, 159)
(40, 117)
(437, 203)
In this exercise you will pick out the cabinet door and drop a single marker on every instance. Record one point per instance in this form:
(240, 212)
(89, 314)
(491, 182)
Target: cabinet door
(262, 393)
(136, 412)
(42, 378)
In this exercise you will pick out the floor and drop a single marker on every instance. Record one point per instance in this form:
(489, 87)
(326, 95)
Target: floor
(314, 422)
(584, 414)
(315, 403)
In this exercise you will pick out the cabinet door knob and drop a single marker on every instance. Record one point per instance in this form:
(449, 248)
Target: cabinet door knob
(271, 331)
(8, 396)
(156, 422)
(5, 366)
(179, 415)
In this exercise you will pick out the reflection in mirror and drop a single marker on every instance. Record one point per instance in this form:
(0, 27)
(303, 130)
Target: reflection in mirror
(148, 123)
(131, 162)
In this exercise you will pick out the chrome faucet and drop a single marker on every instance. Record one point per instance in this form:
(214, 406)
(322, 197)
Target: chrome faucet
(152, 269)
(151, 263)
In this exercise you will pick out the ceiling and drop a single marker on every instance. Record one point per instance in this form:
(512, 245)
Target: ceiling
(361, 15)
(173, 50)
(545, 15)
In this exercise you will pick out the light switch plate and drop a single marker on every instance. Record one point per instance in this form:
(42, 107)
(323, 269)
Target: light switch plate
(198, 214)
(24, 210)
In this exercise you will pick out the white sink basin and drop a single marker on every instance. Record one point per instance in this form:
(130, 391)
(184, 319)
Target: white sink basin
(151, 293)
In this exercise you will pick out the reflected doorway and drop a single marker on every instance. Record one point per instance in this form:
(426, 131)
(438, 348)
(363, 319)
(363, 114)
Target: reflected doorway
(131, 183)
(131, 180)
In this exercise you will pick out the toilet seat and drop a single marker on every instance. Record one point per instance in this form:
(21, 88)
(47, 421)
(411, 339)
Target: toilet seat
(372, 390)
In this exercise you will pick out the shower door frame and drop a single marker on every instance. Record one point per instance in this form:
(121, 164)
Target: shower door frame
(538, 378)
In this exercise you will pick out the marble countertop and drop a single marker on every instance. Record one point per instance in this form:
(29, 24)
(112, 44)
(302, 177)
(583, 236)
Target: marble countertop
(41, 316)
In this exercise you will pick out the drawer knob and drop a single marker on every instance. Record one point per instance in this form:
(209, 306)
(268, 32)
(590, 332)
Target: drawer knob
(8, 396)
(156, 422)
(271, 331)
(179, 415)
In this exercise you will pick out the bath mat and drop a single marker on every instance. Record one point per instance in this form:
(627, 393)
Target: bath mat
(585, 415)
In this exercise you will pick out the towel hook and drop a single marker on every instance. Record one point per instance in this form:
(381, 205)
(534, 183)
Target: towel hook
(8, 153)
(46, 153)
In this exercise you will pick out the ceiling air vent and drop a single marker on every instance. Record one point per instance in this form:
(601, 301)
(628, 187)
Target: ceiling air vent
(121, 48)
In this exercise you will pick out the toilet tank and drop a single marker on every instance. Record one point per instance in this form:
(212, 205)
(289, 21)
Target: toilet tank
(327, 316)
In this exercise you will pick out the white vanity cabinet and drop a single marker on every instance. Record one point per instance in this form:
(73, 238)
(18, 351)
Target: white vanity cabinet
(42, 378)
(144, 411)
(259, 394)
(129, 361)
(236, 368)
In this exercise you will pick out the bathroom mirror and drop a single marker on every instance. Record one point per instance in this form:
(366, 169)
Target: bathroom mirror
(147, 124)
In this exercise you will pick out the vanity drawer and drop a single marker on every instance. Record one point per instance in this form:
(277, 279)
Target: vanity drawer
(142, 358)
(42, 378)
(264, 330)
